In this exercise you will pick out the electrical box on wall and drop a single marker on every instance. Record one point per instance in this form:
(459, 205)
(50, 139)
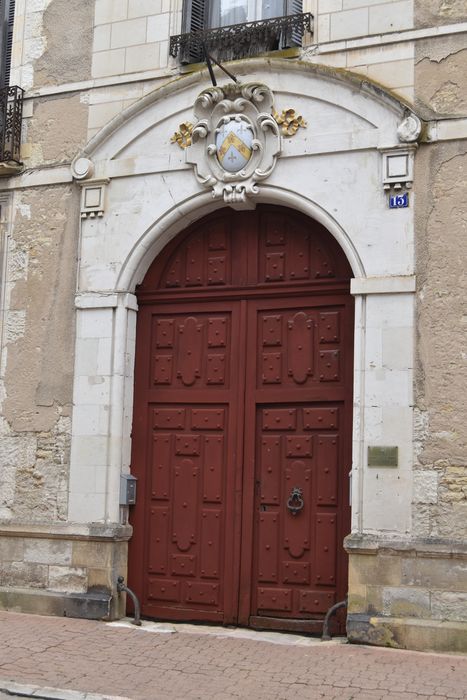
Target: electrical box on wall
(127, 489)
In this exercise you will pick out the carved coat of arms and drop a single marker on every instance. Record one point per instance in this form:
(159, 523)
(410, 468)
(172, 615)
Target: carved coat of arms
(235, 140)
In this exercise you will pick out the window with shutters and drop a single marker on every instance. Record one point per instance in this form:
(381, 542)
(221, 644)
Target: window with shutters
(7, 13)
(11, 96)
(230, 29)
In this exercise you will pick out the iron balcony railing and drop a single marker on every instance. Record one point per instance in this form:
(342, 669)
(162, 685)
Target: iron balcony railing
(11, 112)
(241, 40)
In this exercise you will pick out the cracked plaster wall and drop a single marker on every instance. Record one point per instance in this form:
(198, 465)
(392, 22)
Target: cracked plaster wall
(440, 478)
(37, 358)
(52, 42)
(432, 13)
(38, 355)
(68, 30)
(440, 493)
(46, 141)
(441, 76)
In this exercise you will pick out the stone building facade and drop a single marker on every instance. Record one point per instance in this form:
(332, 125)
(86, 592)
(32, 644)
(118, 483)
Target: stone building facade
(101, 190)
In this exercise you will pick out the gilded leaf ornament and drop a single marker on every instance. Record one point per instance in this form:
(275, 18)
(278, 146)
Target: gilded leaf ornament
(289, 122)
(183, 135)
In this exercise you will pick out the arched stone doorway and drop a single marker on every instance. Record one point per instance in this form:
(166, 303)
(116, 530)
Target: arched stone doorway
(242, 423)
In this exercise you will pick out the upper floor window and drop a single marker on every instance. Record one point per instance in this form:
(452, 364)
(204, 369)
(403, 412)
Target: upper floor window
(230, 29)
(7, 14)
(221, 13)
(11, 96)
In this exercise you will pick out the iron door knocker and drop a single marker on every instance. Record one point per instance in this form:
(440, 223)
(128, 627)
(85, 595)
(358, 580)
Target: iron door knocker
(295, 502)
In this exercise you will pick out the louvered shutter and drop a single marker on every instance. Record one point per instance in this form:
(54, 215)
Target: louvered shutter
(9, 40)
(194, 18)
(7, 14)
(295, 7)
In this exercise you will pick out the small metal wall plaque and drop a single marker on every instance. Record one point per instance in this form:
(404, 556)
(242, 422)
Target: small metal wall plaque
(399, 201)
(383, 456)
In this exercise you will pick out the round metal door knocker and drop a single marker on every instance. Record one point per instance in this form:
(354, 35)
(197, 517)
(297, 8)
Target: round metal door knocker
(295, 502)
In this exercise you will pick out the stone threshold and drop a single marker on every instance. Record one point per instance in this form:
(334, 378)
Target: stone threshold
(284, 638)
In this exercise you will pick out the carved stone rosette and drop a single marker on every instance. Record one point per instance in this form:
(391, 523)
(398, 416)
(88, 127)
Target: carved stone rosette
(235, 140)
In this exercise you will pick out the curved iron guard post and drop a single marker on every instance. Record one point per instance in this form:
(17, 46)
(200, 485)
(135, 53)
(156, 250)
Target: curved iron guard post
(326, 637)
(121, 587)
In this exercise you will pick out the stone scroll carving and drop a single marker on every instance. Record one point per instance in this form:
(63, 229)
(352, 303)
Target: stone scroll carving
(235, 140)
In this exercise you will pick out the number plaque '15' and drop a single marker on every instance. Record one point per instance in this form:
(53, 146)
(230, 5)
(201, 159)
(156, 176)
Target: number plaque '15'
(399, 201)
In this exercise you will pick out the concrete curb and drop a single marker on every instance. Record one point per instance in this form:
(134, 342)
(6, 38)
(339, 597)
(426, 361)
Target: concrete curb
(22, 690)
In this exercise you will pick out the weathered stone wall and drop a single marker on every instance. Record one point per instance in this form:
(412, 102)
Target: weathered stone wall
(433, 13)
(46, 564)
(61, 575)
(68, 34)
(415, 598)
(415, 595)
(440, 493)
(440, 479)
(34, 449)
(46, 139)
(37, 357)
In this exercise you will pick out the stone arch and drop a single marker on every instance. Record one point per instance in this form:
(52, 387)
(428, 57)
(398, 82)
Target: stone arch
(157, 236)
(331, 172)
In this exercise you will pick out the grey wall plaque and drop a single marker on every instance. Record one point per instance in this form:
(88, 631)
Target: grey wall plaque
(383, 456)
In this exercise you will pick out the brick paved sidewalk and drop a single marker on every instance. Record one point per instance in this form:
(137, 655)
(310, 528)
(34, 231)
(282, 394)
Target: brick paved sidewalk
(127, 661)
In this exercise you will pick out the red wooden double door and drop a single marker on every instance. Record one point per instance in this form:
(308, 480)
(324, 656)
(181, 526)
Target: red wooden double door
(242, 423)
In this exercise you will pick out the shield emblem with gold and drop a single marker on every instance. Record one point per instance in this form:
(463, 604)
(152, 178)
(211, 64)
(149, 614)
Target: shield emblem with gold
(234, 144)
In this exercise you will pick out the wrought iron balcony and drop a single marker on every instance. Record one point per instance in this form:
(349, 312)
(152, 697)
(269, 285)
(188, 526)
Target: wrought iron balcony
(11, 112)
(242, 40)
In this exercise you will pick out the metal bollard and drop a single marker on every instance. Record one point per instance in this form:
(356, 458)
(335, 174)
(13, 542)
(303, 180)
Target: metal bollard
(122, 587)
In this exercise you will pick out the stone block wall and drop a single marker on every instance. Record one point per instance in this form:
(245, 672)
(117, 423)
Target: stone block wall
(409, 598)
(62, 574)
(416, 596)
(346, 19)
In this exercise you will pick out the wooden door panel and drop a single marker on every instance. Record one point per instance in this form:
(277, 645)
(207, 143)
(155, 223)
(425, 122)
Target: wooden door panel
(298, 446)
(243, 396)
(295, 348)
(186, 531)
(190, 463)
(190, 351)
(293, 551)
